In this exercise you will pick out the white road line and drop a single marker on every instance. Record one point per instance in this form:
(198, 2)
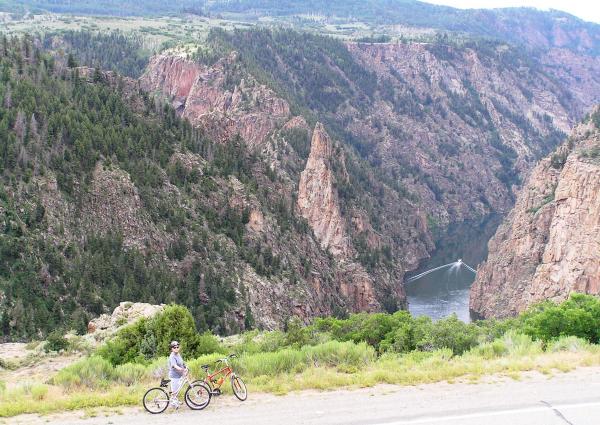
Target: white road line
(434, 419)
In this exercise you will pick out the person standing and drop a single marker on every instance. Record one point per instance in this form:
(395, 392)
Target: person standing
(177, 370)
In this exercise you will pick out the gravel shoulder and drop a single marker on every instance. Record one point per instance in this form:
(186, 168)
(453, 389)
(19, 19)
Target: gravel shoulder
(533, 399)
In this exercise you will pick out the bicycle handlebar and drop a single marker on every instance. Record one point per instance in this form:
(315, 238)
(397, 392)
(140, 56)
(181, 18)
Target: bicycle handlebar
(226, 359)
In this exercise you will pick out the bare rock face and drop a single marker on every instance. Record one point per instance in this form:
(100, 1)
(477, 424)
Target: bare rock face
(579, 72)
(357, 286)
(318, 200)
(465, 179)
(297, 122)
(217, 98)
(113, 204)
(124, 314)
(549, 246)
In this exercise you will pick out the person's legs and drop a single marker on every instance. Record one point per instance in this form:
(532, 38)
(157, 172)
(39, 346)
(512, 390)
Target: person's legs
(175, 386)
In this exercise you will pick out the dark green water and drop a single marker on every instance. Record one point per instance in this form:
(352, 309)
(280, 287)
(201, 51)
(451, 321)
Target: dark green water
(446, 291)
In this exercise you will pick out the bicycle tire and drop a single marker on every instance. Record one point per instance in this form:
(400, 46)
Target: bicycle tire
(197, 395)
(239, 388)
(154, 399)
(203, 381)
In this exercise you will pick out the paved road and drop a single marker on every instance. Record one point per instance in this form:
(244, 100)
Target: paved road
(571, 398)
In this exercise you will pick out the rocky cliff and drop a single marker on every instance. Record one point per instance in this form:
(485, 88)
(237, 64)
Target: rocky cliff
(424, 135)
(319, 183)
(471, 123)
(217, 98)
(318, 200)
(549, 245)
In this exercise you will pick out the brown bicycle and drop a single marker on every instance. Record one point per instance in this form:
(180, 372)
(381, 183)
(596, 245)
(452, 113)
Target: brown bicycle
(216, 379)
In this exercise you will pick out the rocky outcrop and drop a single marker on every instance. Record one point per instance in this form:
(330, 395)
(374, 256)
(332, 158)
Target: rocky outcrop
(318, 200)
(549, 246)
(113, 205)
(124, 314)
(217, 98)
(319, 203)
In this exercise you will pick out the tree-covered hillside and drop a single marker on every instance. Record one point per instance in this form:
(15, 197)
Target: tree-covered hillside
(72, 140)
(116, 51)
(109, 196)
(103, 7)
(528, 26)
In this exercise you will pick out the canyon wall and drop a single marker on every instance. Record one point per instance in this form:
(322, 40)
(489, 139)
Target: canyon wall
(549, 245)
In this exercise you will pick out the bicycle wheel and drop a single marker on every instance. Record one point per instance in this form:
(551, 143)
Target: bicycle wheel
(156, 400)
(197, 396)
(239, 388)
(202, 381)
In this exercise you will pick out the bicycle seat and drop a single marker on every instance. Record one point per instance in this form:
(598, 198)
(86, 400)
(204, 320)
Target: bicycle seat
(164, 382)
(204, 366)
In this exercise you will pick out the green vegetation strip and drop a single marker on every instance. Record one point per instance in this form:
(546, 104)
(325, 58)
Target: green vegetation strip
(362, 350)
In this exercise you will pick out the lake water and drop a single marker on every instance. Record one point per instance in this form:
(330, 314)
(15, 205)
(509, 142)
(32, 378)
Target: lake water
(444, 292)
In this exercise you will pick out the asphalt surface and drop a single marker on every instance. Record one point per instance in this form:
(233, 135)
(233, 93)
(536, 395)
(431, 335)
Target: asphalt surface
(569, 398)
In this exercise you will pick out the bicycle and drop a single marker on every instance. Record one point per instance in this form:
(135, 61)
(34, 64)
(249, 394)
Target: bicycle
(197, 396)
(237, 384)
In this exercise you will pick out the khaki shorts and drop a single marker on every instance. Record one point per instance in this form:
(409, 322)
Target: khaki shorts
(176, 384)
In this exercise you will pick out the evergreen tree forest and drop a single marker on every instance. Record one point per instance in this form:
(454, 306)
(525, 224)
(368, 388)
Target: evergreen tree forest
(59, 125)
(113, 51)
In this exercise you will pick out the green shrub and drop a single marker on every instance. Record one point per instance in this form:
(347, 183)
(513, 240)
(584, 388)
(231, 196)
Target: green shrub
(297, 334)
(272, 341)
(207, 343)
(39, 391)
(373, 329)
(335, 353)
(578, 316)
(92, 372)
(568, 343)
(130, 373)
(283, 361)
(401, 340)
(451, 333)
(518, 344)
(149, 338)
(489, 350)
(56, 342)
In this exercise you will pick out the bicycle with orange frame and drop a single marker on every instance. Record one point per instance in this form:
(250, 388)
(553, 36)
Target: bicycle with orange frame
(215, 380)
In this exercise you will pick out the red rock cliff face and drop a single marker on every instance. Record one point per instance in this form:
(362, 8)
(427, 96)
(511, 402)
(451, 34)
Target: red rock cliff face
(549, 245)
(217, 97)
(318, 202)
(318, 199)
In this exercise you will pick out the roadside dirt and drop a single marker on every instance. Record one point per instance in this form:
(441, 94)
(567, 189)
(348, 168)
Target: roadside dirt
(32, 364)
(531, 398)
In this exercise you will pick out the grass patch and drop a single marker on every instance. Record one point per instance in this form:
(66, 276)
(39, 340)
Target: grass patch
(93, 382)
(361, 351)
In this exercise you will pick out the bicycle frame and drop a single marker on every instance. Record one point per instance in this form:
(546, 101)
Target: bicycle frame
(226, 372)
(186, 380)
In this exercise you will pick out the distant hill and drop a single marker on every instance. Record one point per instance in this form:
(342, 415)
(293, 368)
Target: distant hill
(103, 7)
(532, 27)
